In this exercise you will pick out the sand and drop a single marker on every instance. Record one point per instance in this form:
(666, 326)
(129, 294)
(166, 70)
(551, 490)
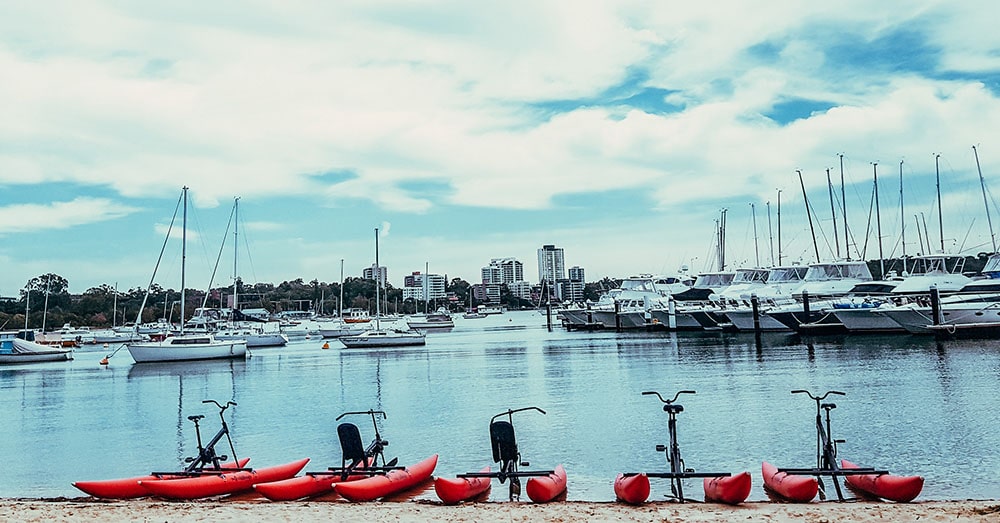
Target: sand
(86, 509)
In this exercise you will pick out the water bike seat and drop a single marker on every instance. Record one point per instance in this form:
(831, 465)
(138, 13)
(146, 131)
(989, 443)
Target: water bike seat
(353, 449)
(503, 441)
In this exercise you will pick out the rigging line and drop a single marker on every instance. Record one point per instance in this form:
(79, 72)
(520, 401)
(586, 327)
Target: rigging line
(215, 269)
(138, 319)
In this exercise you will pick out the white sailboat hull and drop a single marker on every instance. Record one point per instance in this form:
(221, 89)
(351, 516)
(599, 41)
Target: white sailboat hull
(187, 348)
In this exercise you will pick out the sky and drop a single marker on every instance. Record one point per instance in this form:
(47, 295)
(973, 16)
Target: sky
(465, 131)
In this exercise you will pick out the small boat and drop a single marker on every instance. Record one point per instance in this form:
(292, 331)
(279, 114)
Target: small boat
(731, 490)
(901, 489)
(456, 490)
(217, 485)
(187, 347)
(633, 490)
(384, 338)
(306, 486)
(798, 489)
(546, 488)
(383, 485)
(129, 488)
(14, 348)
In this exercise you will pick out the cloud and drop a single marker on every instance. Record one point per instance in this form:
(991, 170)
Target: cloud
(31, 217)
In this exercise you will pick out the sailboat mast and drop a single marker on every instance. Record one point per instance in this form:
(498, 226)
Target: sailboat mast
(426, 293)
(982, 183)
(183, 254)
(114, 307)
(770, 236)
(809, 215)
(843, 208)
(878, 224)
(45, 309)
(902, 217)
(937, 178)
(756, 250)
(27, 306)
(236, 250)
(378, 282)
(833, 214)
(779, 226)
(340, 302)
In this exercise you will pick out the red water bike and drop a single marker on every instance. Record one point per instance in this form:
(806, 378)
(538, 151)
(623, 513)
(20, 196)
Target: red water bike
(722, 487)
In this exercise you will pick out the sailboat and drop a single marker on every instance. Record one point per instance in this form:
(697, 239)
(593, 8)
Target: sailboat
(202, 346)
(379, 337)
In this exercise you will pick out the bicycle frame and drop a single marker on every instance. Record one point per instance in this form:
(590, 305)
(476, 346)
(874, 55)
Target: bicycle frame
(673, 451)
(206, 453)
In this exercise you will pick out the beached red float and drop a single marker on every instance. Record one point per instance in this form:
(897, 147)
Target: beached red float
(901, 489)
(383, 485)
(800, 489)
(306, 486)
(456, 490)
(206, 486)
(543, 489)
(731, 490)
(129, 488)
(632, 489)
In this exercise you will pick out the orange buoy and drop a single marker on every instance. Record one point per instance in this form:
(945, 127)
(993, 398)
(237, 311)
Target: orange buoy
(326, 345)
(104, 361)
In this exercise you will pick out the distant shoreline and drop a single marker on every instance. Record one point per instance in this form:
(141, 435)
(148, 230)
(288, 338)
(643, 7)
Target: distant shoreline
(88, 509)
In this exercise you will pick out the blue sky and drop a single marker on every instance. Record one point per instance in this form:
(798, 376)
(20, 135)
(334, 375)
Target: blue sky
(469, 131)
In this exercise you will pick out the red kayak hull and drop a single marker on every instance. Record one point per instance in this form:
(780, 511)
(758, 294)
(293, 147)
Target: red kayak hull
(207, 486)
(129, 488)
(799, 489)
(456, 490)
(395, 481)
(901, 489)
(546, 488)
(731, 490)
(632, 489)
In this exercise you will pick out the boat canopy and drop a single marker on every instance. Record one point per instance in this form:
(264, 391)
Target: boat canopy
(838, 271)
(751, 276)
(710, 280)
(787, 274)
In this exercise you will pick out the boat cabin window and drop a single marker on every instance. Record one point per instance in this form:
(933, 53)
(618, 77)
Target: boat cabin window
(189, 341)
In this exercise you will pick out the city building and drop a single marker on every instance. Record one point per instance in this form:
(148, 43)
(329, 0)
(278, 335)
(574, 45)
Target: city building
(369, 274)
(503, 270)
(551, 264)
(576, 274)
(423, 287)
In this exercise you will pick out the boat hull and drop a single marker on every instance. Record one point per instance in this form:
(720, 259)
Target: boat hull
(166, 351)
(395, 481)
(633, 490)
(546, 488)
(901, 489)
(798, 489)
(731, 490)
(207, 486)
(129, 488)
(456, 490)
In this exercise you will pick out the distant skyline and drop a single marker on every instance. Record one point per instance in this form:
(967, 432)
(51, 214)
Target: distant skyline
(469, 131)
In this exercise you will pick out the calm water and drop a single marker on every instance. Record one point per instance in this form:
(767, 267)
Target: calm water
(913, 406)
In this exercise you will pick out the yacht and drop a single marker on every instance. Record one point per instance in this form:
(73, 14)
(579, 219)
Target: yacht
(776, 290)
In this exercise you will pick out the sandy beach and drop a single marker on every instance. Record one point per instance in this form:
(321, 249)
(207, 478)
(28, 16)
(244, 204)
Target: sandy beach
(85, 509)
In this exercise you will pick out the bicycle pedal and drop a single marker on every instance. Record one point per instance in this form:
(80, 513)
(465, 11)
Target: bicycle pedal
(688, 470)
(661, 448)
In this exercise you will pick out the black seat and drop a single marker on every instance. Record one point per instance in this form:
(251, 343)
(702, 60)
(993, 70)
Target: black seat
(351, 446)
(504, 444)
(673, 409)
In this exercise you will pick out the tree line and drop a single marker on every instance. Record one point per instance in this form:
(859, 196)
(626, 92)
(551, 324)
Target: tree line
(47, 301)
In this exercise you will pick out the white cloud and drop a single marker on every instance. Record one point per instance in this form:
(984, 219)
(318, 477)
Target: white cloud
(30, 217)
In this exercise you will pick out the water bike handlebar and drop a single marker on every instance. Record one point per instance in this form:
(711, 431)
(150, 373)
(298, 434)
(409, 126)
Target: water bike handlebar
(510, 412)
(668, 402)
(818, 398)
(372, 413)
(222, 408)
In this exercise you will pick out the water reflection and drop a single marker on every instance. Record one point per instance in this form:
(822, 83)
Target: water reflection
(912, 405)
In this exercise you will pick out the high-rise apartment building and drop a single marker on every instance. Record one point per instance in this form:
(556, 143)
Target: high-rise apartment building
(551, 264)
(424, 286)
(576, 273)
(503, 270)
(369, 274)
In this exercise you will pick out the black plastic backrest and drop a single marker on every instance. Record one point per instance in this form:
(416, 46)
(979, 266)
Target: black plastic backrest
(351, 446)
(504, 444)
